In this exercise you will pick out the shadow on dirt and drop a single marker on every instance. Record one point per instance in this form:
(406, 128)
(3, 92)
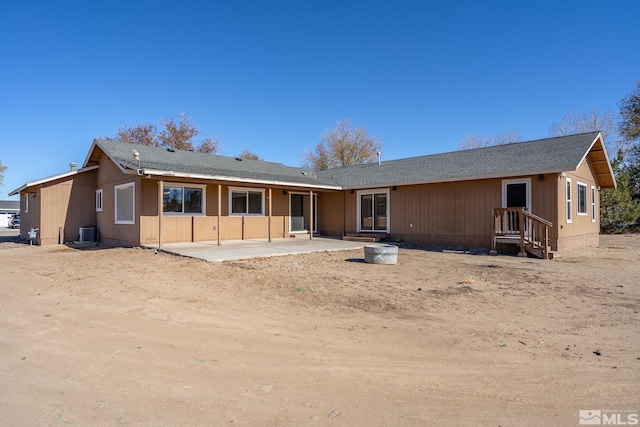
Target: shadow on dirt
(12, 238)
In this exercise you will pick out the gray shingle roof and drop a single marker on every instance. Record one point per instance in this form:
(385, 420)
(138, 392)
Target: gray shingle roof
(525, 158)
(190, 162)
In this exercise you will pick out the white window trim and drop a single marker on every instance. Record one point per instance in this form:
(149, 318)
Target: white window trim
(26, 203)
(593, 204)
(359, 194)
(183, 186)
(586, 199)
(568, 205)
(527, 181)
(246, 190)
(115, 196)
(315, 212)
(99, 200)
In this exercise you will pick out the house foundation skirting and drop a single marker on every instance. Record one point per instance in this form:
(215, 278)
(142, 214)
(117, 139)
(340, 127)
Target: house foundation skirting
(574, 242)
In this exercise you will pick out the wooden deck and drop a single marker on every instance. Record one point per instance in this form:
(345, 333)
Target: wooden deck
(366, 237)
(524, 229)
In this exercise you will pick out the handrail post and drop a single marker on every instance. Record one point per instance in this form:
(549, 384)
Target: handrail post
(546, 242)
(493, 230)
(532, 230)
(521, 227)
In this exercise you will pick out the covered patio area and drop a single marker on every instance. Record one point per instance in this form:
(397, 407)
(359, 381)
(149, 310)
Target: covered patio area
(256, 248)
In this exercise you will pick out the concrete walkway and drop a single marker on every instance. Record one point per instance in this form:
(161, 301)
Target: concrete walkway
(258, 248)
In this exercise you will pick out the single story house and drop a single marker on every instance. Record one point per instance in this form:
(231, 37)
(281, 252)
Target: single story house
(7, 209)
(134, 195)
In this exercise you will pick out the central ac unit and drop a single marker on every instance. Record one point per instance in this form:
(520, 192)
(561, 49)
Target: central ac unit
(87, 234)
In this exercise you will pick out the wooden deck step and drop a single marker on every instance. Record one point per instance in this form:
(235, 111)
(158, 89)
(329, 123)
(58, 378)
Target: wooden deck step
(537, 251)
(366, 237)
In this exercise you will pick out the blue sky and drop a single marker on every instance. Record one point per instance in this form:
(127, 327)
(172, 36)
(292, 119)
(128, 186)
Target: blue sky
(272, 76)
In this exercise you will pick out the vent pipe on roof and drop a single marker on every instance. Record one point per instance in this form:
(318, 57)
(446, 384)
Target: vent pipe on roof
(72, 165)
(379, 153)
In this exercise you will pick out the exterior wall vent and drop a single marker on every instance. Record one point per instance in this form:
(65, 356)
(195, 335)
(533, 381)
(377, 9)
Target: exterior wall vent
(87, 234)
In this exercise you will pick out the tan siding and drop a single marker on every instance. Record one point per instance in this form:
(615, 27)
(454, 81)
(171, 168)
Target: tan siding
(256, 227)
(62, 205)
(149, 194)
(330, 217)
(581, 231)
(31, 219)
(205, 228)
(149, 230)
(544, 200)
(458, 214)
(280, 214)
(351, 212)
(230, 228)
(55, 208)
(179, 228)
(109, 176)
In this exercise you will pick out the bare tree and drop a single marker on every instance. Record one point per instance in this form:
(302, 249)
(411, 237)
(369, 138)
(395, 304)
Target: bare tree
(209, 145)
(246, 154)
(145, 134)
(344, 146)
(508, 137)
(318, 160)
(576, 122)
(475, 141)
(480, 140)
(178, 135)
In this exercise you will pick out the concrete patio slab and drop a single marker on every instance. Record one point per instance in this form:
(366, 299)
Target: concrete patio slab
(257, 248)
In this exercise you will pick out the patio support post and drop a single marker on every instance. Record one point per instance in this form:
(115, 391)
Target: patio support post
(311, 215)
(344, 232)
(270, 206)
(219, 210)
(160, 211)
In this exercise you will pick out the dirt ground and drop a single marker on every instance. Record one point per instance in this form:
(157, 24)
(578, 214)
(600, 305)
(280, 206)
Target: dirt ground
(115, 336)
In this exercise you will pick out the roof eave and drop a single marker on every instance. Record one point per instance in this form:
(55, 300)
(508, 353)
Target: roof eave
(173, 174)
(456, 179)
(606, 156)
(115, 160)
(51, 178)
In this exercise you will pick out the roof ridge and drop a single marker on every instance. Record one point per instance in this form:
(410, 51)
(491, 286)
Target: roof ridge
(199, 154)
(491, 147)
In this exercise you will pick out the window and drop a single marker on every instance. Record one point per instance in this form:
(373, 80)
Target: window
(99, 200)
(125, 203)
(582, 198)
(26, 203)
(593, 204)
(246, 201)
(568, 201)
(373, 210)
(183, 200)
